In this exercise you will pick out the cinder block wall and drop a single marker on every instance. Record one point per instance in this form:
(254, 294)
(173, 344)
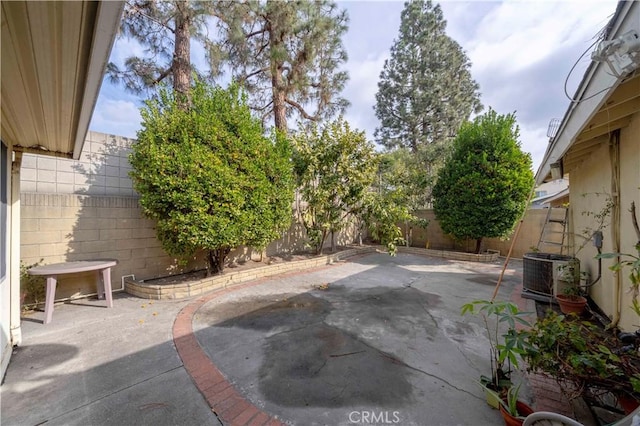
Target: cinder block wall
(69, 227)
(103, 169)
(87, 209)
(437, 239)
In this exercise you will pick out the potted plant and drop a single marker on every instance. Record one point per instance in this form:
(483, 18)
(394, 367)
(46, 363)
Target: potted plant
(512, 409)
(504, 348)
(584, 359)
(631, 262)
(571, 299)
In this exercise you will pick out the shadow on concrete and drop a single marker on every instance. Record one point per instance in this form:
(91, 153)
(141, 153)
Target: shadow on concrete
(111, 367)
(340, 346)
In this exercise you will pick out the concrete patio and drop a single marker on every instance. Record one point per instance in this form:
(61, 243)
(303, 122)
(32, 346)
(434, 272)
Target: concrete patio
(375, 335)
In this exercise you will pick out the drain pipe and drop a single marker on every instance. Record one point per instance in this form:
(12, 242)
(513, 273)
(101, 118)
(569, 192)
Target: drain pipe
(614, 158)
(122, 281)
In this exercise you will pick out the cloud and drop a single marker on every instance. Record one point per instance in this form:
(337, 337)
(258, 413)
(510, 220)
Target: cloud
(372, 29)
(116, 116)
(534, 140)
(516, 35)
(361, 92)
(124, 48)
(522, 52)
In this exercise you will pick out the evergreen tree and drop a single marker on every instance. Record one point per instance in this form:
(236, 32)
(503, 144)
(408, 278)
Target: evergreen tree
(165, 29)
(287, 55)
(483, 187)
(425, 90)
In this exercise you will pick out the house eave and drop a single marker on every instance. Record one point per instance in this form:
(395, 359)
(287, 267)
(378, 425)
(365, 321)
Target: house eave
(53, 60)
(107, 23)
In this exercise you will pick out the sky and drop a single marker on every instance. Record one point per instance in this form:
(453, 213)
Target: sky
(521, 54)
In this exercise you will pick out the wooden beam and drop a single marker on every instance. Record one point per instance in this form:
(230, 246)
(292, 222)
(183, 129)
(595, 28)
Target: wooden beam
(580, 152)
(572, 162)
(588, 145)
(626, 91)
(593, 131)
(614, 113)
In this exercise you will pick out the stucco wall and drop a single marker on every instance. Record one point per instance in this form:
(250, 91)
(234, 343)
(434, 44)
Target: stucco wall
(594, 177)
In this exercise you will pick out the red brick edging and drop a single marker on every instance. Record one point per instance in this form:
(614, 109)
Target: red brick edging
(224, 400)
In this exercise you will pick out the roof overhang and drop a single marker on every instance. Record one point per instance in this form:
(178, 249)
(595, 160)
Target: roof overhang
(603, 103)
(53, 58)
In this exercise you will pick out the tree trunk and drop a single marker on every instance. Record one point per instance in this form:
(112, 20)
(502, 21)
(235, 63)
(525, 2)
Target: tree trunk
(333, 242)
(222, 254)
(478, 245)
(322, 240)
(215, 260)
(211, 262)
(277, 81)
(182, 53)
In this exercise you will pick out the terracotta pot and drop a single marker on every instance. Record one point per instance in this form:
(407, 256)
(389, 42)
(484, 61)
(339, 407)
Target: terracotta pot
(523, 409)
(571, 304)
(628, 403)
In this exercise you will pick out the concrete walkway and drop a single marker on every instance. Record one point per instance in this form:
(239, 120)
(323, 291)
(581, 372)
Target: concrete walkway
(375, 338)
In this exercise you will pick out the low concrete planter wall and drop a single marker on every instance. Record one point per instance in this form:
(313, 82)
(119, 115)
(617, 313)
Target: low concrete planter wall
(195, 288)
(453, 255)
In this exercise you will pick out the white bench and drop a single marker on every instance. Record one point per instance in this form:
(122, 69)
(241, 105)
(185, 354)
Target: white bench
(102, 268)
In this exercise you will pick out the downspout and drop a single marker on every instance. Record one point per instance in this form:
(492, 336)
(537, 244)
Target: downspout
(14, 261)
(614, 158)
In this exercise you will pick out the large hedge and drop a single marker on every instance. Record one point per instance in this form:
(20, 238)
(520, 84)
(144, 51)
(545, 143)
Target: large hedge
(484, 186)
(208, 175)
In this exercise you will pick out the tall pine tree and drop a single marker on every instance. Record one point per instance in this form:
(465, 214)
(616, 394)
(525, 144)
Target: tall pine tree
(165, 29)
(287, 55)
(425, 90)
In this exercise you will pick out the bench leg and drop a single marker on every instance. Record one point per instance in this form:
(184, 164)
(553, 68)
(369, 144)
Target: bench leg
(106, 282)
(50, 296)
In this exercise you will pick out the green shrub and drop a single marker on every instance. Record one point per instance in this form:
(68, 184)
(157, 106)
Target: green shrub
(32, 287)
(209, 176)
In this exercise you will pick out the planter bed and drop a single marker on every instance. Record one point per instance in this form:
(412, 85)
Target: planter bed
(149, 290)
